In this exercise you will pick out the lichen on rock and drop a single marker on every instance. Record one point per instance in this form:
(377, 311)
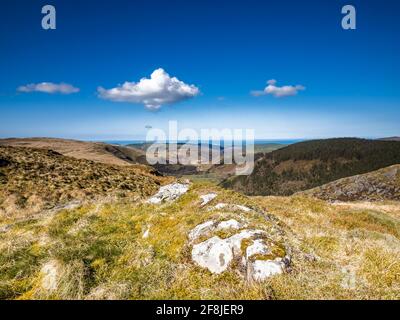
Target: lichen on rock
(50, 273)
(258, 255)
(234, 207)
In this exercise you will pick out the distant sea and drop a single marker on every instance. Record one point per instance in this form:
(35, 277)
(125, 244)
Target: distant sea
(257, 141)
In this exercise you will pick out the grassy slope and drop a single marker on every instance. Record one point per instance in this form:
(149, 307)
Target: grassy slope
(33, 179)
(356, 246)
(99, 252)
(309, 164)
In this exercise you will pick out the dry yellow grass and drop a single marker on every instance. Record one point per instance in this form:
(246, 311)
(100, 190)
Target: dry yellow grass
(354, 250)
(98, 251)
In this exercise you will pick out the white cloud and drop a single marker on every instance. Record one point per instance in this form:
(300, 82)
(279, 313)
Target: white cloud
(160, 89)
(278, 92)
(49, 87)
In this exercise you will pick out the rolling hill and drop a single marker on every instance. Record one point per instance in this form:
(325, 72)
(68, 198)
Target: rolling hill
(35, 179)
(94, 151)
(309, 164)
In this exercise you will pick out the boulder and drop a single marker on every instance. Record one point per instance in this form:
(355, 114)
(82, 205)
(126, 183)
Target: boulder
(256, 255)
(263, 269)
(168, 193)
(215, 254)
(237, 207)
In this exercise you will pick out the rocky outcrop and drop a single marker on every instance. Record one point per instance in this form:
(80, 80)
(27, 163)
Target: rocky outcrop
(146, 233)
(168, 193)
(258, 256)
(210, 226)
(383, 184)
(206, 198)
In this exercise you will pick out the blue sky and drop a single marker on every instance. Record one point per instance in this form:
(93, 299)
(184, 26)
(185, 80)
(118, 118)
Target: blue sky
(225, 49)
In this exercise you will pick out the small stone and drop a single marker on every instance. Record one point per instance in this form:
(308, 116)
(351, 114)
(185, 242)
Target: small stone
(207, 198)
(50, 275)
(220, 206)
(4, 229)
(258, 247)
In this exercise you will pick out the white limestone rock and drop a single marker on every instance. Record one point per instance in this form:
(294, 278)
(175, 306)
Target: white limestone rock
(207, 198)
(215, 254)
(168, 193)
(258, 247)
(235, 241)
(238, 207)
(201, 229)
(242, 208)
(220, 206)
(263, 269)
(230, 224)
(146, 233)
(50, 273)
(210, 226)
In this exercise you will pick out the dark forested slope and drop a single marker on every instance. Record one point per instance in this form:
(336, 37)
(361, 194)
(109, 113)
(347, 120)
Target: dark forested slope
(309, 164)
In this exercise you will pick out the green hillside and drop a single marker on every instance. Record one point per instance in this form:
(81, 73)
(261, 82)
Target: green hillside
(309, 164)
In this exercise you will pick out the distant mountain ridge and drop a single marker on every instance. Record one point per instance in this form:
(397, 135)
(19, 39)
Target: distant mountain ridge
(310, 164)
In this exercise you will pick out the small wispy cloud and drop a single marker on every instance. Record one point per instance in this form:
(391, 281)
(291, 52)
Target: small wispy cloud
(48, 87)
(153, 92)
(278, 92)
